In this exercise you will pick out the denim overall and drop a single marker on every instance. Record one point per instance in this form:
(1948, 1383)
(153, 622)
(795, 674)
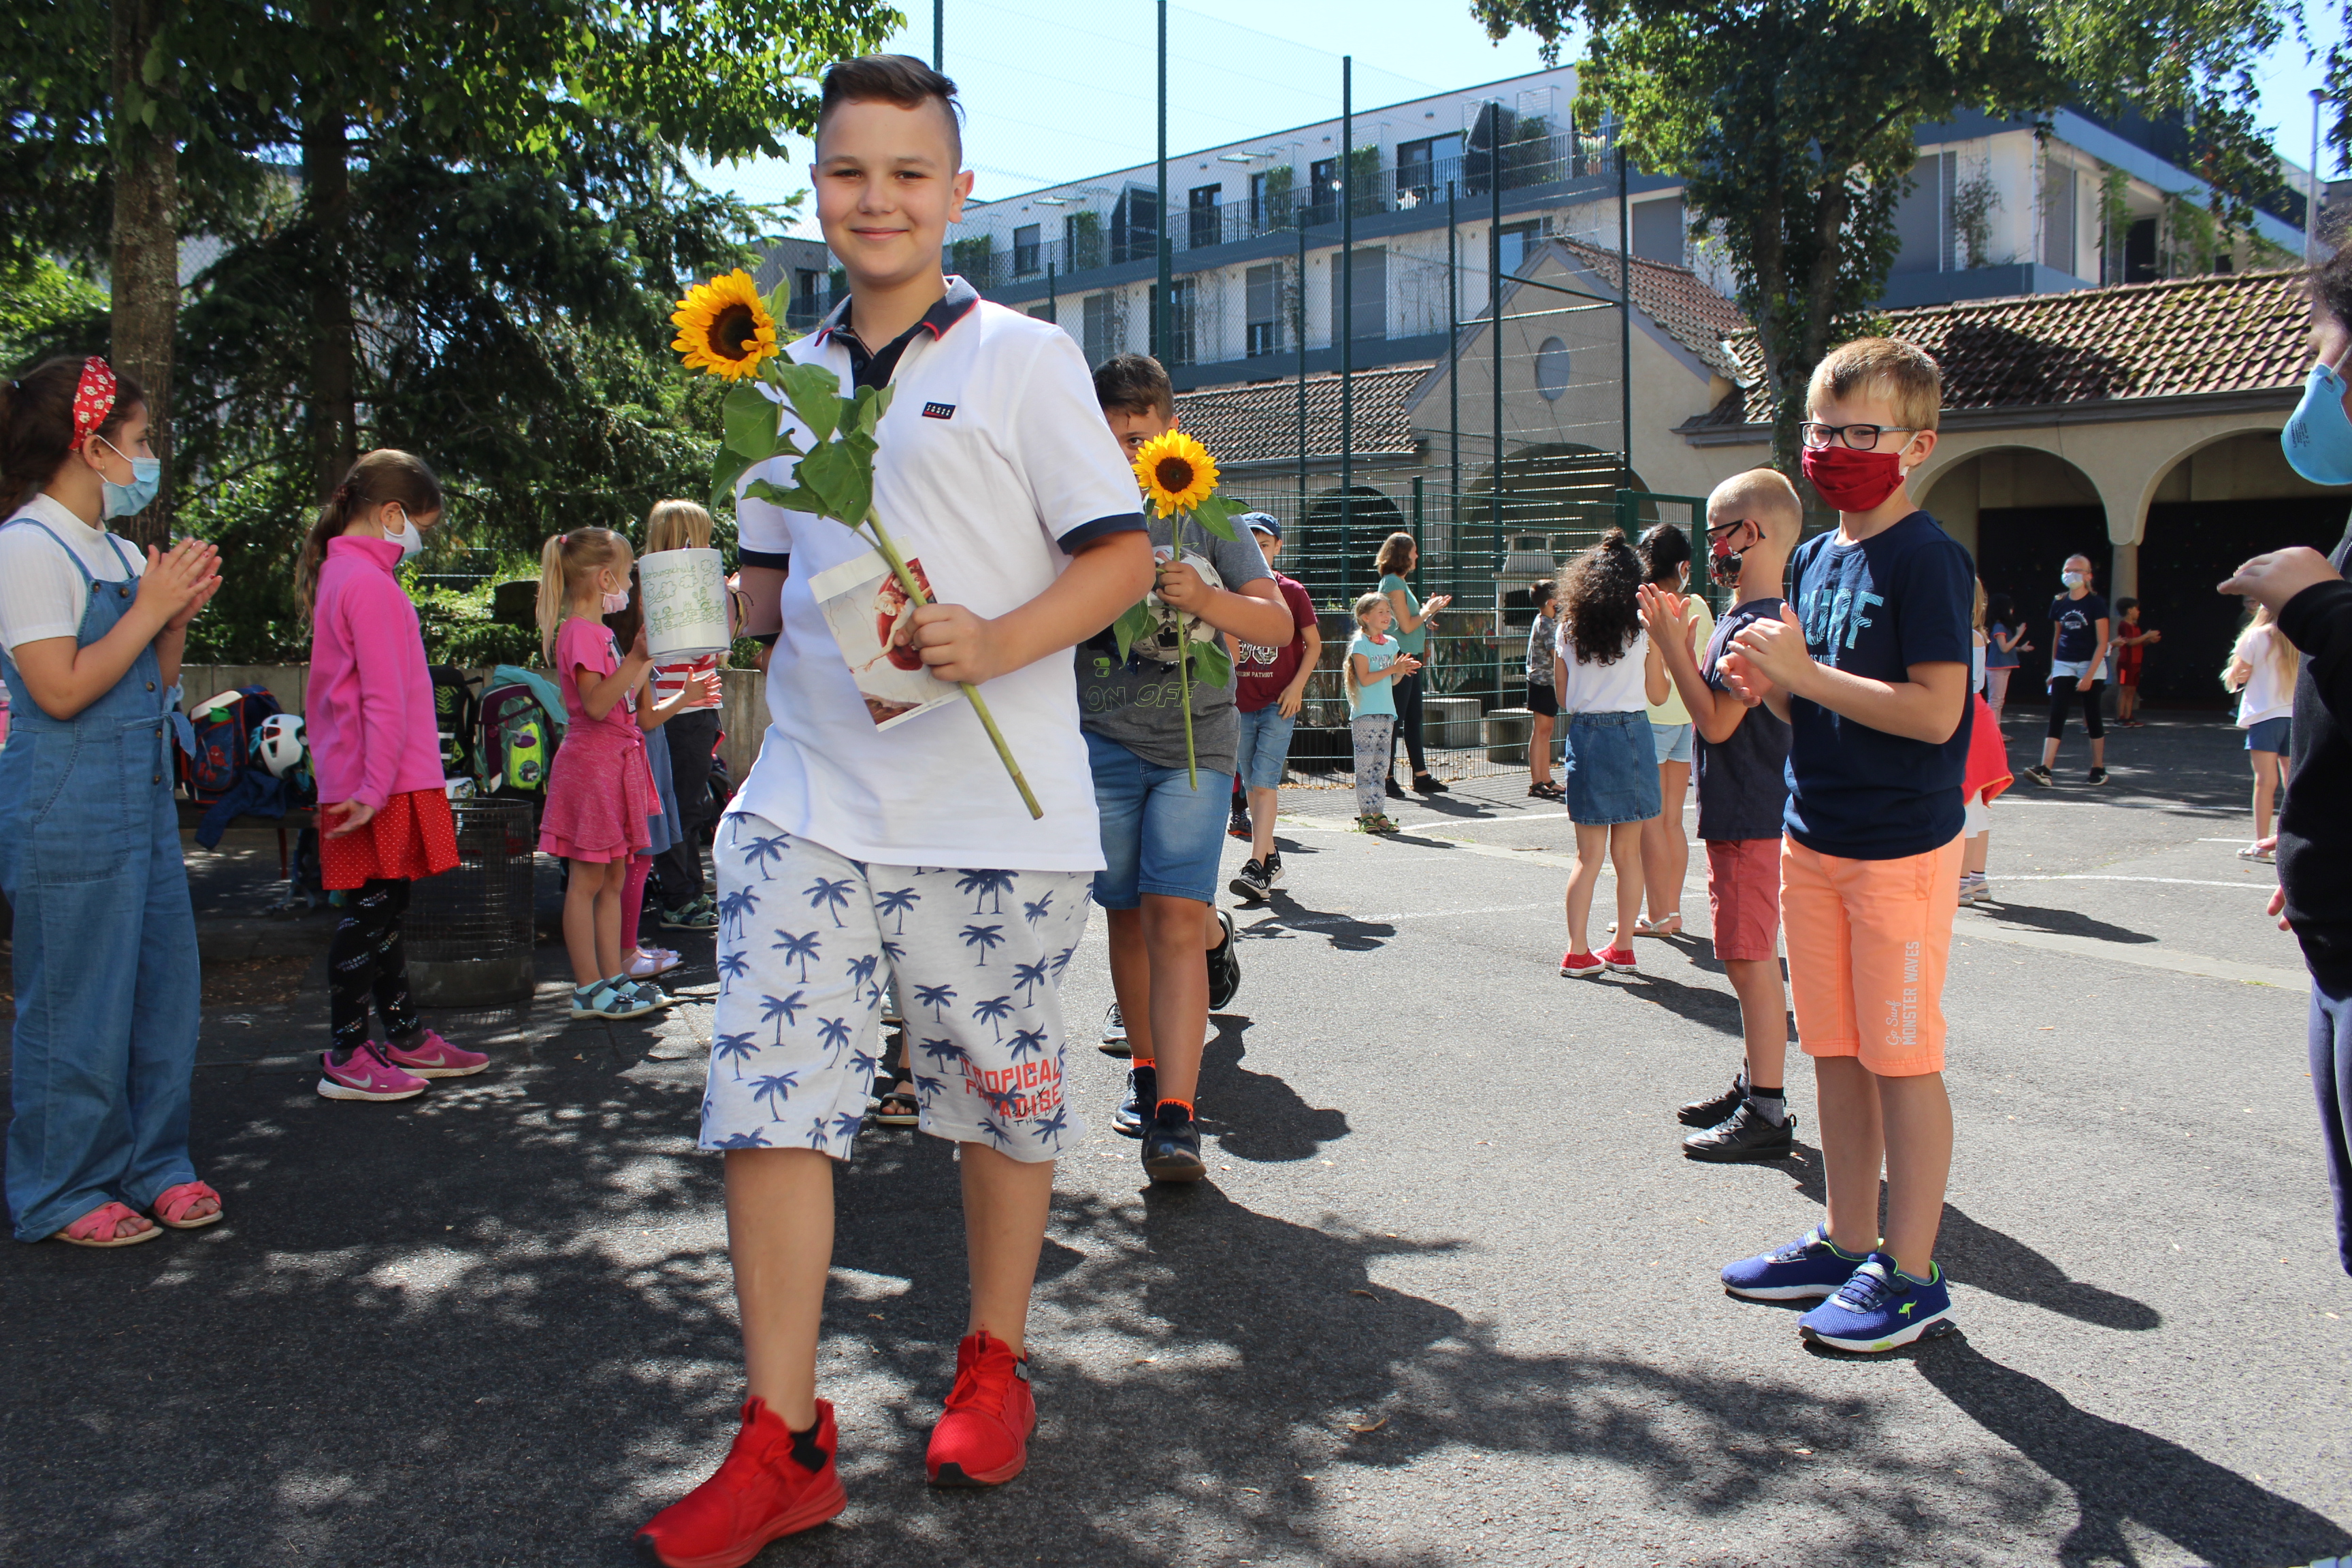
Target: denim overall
(106, 983)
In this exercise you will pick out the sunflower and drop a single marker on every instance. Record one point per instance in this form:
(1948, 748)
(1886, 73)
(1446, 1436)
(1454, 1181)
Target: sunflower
(1176, 472)
(724, 328)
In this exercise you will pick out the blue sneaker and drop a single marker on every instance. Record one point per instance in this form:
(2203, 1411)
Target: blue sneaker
(1879, 1309)
(1807, 1269)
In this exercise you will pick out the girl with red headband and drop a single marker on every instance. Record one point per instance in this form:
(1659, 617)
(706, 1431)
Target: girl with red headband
(107, 979)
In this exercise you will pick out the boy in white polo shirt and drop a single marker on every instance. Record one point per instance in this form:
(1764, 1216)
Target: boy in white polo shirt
(854, 854)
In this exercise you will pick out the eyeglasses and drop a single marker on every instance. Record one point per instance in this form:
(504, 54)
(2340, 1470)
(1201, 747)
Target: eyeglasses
(1860, 438)
(1724, 529)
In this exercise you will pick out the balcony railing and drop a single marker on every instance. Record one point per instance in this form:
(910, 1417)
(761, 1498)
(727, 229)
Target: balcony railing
(993, 261)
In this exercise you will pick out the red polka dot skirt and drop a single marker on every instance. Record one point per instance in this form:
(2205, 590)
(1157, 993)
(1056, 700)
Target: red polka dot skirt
(413, 837)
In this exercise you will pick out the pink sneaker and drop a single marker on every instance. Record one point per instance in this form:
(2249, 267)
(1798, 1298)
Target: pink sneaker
(1619, 959)
(366, 1076)
(432, 1056)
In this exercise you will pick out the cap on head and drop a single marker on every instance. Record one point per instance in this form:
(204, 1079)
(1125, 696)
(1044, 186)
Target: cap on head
(1263, 522)
(901, 79)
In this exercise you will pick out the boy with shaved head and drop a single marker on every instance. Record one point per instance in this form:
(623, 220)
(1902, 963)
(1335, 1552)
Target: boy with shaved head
(1752, 522)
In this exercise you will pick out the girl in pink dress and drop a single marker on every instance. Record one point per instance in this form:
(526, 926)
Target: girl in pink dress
(600, 791)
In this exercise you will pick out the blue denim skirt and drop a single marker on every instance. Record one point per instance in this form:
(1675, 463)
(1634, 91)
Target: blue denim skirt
(1612, 769)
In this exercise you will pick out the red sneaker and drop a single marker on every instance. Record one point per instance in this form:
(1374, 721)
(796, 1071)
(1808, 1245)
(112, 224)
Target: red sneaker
(767, 1487)
(1619, 959)
(1577, 964)
(983, 1437)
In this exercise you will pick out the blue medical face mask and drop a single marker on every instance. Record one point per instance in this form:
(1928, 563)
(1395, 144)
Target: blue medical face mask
(146, 479)
(2318, 439)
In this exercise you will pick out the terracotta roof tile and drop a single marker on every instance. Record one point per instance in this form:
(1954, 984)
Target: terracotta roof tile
(2243, 333)
(1693, 314)
(1259, 422)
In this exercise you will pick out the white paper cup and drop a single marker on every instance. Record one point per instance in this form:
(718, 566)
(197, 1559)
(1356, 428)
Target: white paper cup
(684, 595)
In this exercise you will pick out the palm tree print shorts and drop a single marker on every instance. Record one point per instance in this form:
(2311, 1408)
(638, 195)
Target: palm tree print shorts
(807, 942)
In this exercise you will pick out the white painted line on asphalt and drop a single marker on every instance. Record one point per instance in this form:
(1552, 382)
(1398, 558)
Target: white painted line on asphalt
(2176, 881)
(2147, 957)
(1336, 919)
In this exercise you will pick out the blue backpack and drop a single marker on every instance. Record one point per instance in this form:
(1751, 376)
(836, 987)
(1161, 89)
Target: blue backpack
(223, 729)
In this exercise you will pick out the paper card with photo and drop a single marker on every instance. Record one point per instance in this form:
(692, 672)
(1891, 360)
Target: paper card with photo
(865, 608)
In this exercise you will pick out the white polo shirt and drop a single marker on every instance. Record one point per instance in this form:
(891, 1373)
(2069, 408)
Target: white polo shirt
(995, 462)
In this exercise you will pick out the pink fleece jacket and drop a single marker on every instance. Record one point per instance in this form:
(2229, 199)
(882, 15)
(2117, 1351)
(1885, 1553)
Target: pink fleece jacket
(369, 710)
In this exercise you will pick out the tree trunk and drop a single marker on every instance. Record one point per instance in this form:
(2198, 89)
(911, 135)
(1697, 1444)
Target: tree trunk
(145, 286)
(327, 190)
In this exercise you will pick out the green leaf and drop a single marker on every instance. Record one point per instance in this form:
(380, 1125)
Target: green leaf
(1217, 516)
(815, 396)
(726, 467)
(843, 483)
(780, 301)
(1129, 626)
(1212, 666)
(751, 422)
(882, 401)
(800, 497)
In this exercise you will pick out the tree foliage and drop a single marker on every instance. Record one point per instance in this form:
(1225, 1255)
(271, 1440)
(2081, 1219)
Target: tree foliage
(1792, 122)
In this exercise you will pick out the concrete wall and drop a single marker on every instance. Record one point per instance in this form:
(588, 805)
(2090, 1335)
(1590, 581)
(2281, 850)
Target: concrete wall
(742, 712)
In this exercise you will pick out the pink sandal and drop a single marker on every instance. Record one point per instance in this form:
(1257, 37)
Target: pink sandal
(97, 1229)
(172, 1202)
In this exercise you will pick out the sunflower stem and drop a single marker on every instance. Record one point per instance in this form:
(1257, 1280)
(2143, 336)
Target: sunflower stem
(916, 596)
(1184, 667)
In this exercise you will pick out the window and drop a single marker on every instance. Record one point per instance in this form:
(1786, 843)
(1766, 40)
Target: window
(1202, 209)
(1027, 248)
(1519, 241)
(1263, 294)
(1135, 225)
(1182, 296)
(1423, 169)
(1100, 339)
(1370, 275)
(2058, 185)
(1082, 241)
(2140, 252)
(1323, 190)
(1269, 198)
(1552, 369)
(806, 307)
(1658, 231)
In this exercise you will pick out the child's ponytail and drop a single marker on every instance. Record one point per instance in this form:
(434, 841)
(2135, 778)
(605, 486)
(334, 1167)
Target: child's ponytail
(382, 478)
(562, 558)
(552, 603)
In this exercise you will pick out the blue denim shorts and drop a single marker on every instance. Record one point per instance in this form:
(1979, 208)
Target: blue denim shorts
(1672, 742)
(2270, 735)
(1263, 747)
(1159, 834)
(1612, 769)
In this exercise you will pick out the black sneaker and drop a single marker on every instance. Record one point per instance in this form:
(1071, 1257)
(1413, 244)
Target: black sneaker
(1272, 867)
(1707, 1112)
(1745, 1135)
(2040, 775)
(1396, 790)
(1225, 967)
(1427, 783)
(1114, 1035)
(1142, 1094)
(1172, 1148)
(1238, 824)
(2097, 776)
(1250, 881)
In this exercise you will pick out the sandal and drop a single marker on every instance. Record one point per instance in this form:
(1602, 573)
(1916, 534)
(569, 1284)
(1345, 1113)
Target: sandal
(172, 1203)
(1376, 822)
(1642, 927)
(1544, 789)
(897, 1105)
(99, 1228)
(1669, 925)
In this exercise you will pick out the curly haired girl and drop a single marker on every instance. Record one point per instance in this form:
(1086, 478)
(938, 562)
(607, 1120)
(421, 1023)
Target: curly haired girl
(1607, 674)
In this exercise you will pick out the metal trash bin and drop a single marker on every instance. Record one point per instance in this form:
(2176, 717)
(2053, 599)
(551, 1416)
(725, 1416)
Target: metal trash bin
(468, 930)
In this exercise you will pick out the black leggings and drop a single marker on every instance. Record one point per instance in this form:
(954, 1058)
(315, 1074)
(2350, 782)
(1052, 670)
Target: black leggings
(2061, 691)
(1408, 722)
(366, 958)
(679, 868)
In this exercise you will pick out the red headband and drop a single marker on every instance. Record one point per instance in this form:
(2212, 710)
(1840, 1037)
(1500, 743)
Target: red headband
(93, 398)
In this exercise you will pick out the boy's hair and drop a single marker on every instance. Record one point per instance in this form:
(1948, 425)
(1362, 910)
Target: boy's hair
(1539, 591)
(901, 79)
(1901, 373)
(36, 422)
(2125, 607)
(567, 556)
(381, 478)
(1763, 497)
(2330, 282)
(1600, 598)
(1134, 383)
(676, 525)
(1664, 551)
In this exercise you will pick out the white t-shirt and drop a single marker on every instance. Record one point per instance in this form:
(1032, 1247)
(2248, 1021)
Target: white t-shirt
(2268, 694)
(1605, 688)
(41, 594)
(994, 455)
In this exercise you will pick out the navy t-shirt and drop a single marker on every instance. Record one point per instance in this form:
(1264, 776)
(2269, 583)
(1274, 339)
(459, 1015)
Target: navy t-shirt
(2078, 627)
(1901, 597)
(1743, 785)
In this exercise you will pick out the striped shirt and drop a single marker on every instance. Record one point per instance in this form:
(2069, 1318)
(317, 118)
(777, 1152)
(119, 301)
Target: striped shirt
(670, 680)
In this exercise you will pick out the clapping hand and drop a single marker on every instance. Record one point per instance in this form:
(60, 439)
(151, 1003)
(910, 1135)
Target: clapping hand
(1774, 652)
(2272, 579)
(1742, 677)
(1666, 617)
(180, 582)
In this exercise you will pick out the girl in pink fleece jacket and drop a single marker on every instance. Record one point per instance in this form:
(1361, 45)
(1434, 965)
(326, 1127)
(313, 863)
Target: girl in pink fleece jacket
(384, 820)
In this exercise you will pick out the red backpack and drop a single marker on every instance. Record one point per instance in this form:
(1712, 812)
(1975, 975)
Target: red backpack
(224, 728)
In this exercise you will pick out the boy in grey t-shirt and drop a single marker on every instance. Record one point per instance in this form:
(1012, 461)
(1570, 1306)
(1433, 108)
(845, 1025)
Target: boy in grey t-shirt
(1163, 824)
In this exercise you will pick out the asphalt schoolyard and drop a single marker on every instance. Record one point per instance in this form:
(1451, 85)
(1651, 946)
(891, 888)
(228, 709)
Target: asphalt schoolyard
(1449, 1294)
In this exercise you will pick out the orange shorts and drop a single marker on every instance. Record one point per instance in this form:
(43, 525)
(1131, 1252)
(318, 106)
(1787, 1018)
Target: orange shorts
(1868, 944)
(1743, 897)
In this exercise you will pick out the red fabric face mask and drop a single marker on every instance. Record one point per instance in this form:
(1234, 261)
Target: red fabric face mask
(1851, 480)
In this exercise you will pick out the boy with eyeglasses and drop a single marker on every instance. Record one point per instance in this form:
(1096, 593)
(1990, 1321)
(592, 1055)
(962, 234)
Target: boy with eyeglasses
(1872, 674)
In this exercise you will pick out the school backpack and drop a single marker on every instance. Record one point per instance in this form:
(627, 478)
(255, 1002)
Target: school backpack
(521, 724)
(457, 715)
(224, 728)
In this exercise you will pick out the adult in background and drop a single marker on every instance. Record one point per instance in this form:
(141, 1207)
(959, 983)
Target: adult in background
(1665, 849)
(1399, 556)
(2313, 604)
(2078, 652)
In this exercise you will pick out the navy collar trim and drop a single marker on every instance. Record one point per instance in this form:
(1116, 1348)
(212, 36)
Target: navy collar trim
(953, 307)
